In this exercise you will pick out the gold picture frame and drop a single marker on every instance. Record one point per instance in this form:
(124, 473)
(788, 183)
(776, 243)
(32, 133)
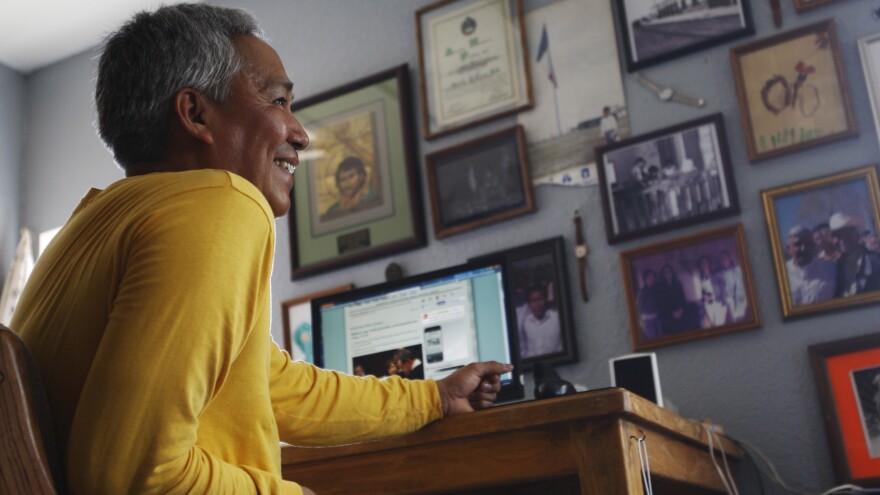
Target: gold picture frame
(806, 266)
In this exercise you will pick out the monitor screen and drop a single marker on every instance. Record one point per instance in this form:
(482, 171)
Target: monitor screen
(425, 326)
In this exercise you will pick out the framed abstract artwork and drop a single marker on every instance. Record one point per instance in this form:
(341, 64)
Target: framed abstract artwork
(356, 197)
(689, 288)
(823, 232)
(792, 91)
(848, 379)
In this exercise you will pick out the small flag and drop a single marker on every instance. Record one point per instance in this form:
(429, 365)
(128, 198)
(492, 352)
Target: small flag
(544, 45)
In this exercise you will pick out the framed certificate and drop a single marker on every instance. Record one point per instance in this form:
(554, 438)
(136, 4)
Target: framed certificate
(472, 63)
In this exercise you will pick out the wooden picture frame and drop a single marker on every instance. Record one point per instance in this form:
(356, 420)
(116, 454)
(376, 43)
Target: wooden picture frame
(807, 221)
(480, 182)
(869, 53)
(675, 293)
(473, 63)
(792, 91)
(670, 178)
(657, 31)
(804, 5)
(847, 380)
(296, 318)
(356, 197)
(538, 269)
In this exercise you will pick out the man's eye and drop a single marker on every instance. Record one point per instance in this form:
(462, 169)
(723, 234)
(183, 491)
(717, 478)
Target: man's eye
(281, 102)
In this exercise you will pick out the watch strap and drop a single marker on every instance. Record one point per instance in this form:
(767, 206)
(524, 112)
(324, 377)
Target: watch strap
(581, 254)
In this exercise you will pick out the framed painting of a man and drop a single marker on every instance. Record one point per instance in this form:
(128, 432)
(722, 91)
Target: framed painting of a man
(825, 244)
(356, 196)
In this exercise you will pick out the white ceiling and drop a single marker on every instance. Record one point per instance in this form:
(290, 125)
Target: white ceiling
(37, 33)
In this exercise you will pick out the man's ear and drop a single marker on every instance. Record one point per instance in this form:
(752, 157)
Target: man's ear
(190, 107)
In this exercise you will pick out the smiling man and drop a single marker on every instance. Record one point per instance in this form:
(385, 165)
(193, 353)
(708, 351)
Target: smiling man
(148, 315)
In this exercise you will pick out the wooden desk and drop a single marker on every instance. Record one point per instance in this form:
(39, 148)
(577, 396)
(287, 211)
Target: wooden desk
(578, 444)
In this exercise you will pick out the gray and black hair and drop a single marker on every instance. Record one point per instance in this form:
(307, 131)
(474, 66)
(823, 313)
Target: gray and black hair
(150, 58)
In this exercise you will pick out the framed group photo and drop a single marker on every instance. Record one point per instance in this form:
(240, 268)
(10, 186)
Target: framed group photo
(356, 196)
(690, 288)
(538, 291)
(823, 233)
(480, 182)
(848, 380)
(473, 63)
(666, 179)
(655, 31)
(296, 319)
(792, 91)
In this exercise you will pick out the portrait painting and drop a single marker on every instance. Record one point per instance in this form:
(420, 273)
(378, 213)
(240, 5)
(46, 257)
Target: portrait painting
(655, 31)
(356, 194)
(666, 179)
(792, 91)
(692, 287)
(824, 237)
(479, 183)
(349, 174)
(847, 375)
(539, 297)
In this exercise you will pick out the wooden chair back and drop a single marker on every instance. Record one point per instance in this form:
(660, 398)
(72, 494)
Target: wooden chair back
(29, 460)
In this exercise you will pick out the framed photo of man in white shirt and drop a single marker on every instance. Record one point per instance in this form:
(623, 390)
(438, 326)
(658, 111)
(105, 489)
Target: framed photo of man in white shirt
(538, 291)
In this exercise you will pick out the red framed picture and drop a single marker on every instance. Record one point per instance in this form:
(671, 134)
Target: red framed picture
(848, 378)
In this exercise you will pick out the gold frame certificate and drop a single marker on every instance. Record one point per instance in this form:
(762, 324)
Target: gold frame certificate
(471, 62)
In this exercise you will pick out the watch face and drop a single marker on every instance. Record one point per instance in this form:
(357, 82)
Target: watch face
(666, 94)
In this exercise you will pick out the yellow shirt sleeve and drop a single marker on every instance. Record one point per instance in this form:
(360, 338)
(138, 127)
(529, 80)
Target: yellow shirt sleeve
(319, 407)
(182, 313)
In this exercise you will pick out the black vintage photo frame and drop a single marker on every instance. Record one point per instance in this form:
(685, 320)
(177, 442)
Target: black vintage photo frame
(540, 264)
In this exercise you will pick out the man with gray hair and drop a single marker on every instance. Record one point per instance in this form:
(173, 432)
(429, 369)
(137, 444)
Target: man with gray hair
(858, 269)
(810, 278)
(148, 315)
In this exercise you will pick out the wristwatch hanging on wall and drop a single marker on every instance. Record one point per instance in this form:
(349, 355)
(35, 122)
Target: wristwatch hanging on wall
(666, 93)
(580, 251)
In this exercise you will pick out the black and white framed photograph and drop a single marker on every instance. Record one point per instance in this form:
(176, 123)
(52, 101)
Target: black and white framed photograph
(480, 182)
(655, 31)
(538, 291)
(666, 179)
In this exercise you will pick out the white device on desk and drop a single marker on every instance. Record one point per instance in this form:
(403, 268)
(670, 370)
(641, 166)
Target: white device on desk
(638, 374)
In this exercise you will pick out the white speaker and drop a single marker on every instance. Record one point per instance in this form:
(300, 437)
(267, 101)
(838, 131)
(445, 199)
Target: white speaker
(638, 374)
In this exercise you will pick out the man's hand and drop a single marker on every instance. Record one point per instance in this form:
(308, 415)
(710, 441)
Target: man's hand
(474, 386)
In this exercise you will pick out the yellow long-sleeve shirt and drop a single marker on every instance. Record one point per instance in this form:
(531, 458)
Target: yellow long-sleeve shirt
(148, 317)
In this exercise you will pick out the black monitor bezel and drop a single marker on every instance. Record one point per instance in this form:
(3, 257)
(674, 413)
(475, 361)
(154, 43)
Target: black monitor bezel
(510, 391)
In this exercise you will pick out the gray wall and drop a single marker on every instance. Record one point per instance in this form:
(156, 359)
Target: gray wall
(12, 90)
(757, 384)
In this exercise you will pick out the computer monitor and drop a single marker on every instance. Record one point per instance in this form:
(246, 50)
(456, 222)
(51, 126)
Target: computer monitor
(443, 320)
